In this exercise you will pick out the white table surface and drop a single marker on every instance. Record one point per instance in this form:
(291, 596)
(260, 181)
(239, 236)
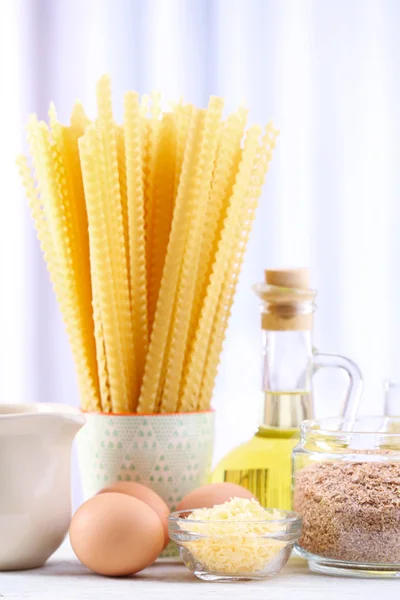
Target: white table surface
(64, 578)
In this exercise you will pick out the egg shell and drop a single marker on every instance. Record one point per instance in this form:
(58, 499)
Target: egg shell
(146, 495)
(208, 496)
(116, 534)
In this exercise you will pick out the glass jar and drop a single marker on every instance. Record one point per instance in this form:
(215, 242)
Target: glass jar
(346, 486)
(391, 398)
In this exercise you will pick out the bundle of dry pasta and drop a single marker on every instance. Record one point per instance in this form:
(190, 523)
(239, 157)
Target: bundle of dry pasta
(144, 226)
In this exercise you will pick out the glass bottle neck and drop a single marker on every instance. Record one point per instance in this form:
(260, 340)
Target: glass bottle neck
(286, 321)
(287, 371)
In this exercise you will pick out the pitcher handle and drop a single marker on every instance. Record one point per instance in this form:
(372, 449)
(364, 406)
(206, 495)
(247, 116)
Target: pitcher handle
(354, 389)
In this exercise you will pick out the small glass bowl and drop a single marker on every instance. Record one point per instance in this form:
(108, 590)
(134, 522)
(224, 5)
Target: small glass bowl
(235, 550)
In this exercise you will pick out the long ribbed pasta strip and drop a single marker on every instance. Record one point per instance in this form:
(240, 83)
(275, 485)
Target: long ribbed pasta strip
(41, 224)
(51, 175)
(150, 158)
(133, 130)
(79, 120)
(105, 392)
(102, 368)
(115, 226)
(66, 140)
(120, 138)
(102, 257)
(250, 196)
(154, 367)
(226, 167)
(229, 237)
(182, 113)
(163, 206)
(86, 385)
(197, 196)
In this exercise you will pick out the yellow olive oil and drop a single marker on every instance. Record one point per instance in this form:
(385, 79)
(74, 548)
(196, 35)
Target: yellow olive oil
(263, 465)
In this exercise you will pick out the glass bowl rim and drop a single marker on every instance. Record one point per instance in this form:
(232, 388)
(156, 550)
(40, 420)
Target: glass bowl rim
(290, 517)
(309, 426)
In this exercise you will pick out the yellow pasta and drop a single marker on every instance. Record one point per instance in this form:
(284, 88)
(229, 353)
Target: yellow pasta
(104, 382)
(227, 244)
(102, 255)
(226, 167)
(43, 232)
(163, 206)
(79, 120)
(66, 141)
(120, 139)
(253, 181)
(183, 114)
(115, 226)
(154, 367)
(196, 198)
(143, 226)
(58, 203)
(150, 158)
(133, 131)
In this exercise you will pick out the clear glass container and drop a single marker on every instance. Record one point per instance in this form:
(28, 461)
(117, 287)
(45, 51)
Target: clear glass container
(392, 398)
(346, 486)
(235, 550)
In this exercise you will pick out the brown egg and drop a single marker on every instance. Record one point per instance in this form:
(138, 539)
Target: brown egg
(208, 496)
(116, 534)
(147, 496)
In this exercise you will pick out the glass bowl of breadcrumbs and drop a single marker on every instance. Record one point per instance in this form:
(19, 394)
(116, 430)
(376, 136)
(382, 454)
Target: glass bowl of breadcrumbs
(347, 490)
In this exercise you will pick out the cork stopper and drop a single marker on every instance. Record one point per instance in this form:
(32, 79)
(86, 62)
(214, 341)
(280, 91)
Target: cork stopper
(290, 278)
(288, 301)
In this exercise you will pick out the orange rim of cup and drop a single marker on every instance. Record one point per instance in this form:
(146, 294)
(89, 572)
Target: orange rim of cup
(111, 414)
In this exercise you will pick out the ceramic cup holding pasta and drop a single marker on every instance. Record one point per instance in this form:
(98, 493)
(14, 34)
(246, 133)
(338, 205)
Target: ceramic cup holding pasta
(171, 454)
(144, 226)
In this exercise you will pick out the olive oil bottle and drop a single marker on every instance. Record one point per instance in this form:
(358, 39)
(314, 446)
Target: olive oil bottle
(263, 464)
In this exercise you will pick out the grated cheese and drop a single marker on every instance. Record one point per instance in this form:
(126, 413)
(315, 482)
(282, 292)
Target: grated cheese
(230, 539)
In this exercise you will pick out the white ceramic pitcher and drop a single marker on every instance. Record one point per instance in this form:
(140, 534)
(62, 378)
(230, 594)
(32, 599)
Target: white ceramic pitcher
(35, 492)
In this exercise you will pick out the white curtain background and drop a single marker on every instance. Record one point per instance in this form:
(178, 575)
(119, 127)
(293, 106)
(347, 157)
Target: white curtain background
(325, 71)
